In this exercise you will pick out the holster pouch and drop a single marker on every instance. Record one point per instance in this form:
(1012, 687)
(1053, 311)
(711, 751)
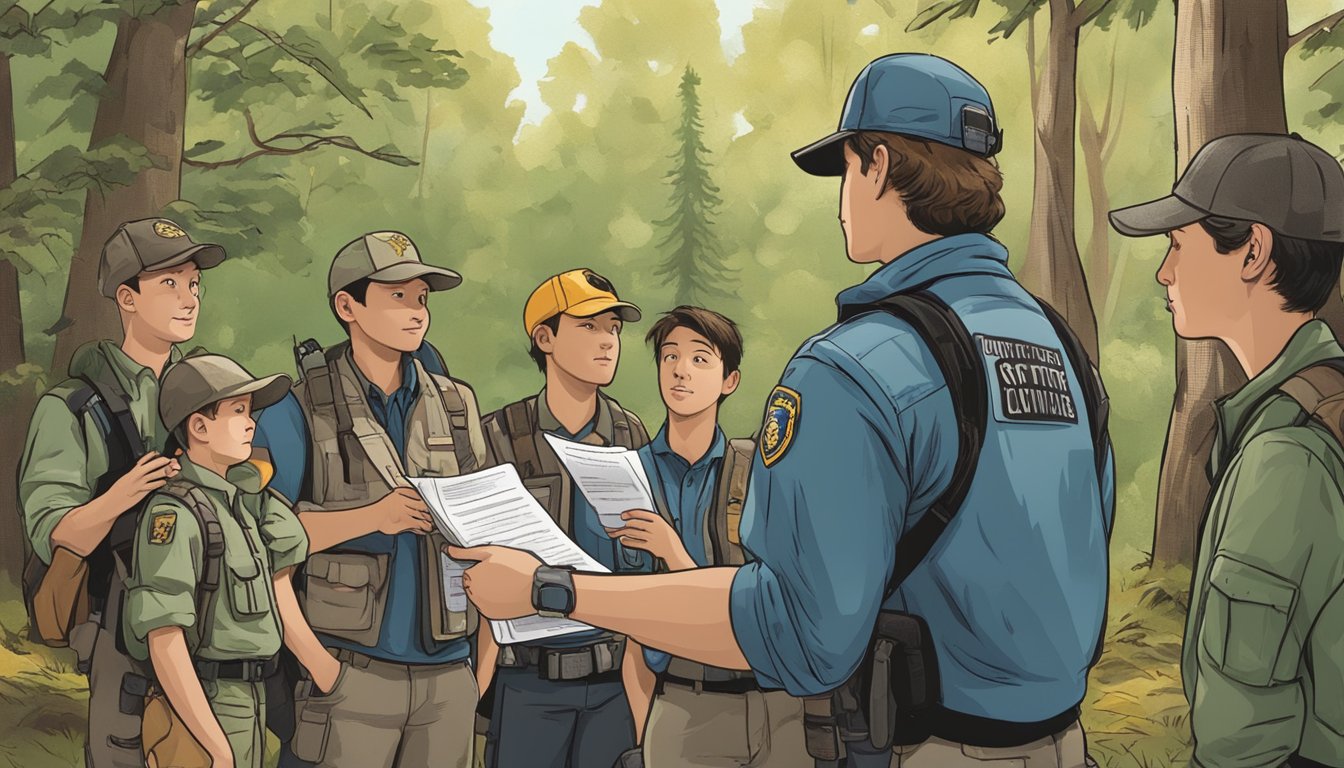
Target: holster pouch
(134, 688)
(899, 680)
(630, 758)
(165, 738)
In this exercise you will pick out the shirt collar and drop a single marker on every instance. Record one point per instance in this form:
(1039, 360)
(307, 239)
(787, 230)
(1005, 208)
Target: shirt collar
(198, 475)
(410, 380)
(547, 422)
(660, 447)
(1311, 344)
(129, 373)
(971, 253)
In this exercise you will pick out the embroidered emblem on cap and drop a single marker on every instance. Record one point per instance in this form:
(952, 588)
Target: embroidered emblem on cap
(168, 229)
(161, 527)
(781, 419)
(398, 241)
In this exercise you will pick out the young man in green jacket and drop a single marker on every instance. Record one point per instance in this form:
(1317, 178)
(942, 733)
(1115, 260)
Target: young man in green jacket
(1256, 239)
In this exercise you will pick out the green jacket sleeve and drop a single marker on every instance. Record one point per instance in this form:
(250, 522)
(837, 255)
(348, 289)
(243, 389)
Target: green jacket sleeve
(1267, 582)
(58, 470)
(169, 556)
(283, 534)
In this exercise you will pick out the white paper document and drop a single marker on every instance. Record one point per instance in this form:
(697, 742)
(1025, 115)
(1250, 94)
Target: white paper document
(612, 478)
(493, 507)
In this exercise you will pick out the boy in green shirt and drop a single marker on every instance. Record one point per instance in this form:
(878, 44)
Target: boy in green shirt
(215, 525)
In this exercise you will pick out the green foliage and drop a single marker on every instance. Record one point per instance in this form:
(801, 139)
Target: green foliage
(694, 259)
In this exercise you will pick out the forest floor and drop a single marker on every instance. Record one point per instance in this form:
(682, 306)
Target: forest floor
(1135, 713)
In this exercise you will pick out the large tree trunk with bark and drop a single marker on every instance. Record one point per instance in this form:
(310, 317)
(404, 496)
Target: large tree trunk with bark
(146, 101)
(1052, 268)
(1092, 140)
(11, 317)
(1228, 78)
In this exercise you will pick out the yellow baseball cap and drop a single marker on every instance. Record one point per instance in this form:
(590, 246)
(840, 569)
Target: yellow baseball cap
(578, 292)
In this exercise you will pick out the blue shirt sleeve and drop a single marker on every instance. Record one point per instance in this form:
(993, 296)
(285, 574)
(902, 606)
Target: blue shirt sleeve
(1108, 490)
(282, 430)
(822, 523)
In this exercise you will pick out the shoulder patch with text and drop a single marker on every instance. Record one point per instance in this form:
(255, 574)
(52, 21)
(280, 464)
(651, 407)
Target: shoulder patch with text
(161, 527)
(781, 420)
(1031, 382)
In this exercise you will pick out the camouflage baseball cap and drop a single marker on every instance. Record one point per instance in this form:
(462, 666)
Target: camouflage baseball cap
(385, 257)
(148, 245)
(192, 383)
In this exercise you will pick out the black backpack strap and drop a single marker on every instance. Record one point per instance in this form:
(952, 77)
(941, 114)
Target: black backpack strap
(193, 498)
(953, 350)
(520, 419)
(1095, 399)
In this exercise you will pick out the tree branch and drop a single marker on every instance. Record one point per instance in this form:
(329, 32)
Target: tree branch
(1086, 11)
(196, 47)
(1328, 22)
(267, 147)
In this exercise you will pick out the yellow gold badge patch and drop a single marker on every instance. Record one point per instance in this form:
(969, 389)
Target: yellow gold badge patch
(781, 420)
(161, 527)
(398, 241)
(168, 229)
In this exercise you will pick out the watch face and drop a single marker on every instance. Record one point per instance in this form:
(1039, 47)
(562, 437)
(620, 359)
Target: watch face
(553, 598)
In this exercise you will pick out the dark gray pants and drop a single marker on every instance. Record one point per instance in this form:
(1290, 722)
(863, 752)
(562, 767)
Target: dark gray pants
(540, 723)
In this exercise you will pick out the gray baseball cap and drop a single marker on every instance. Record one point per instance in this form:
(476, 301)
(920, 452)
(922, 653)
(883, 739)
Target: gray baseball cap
(385, 257)
(1284, 182)
(148, 245)
(192, 383)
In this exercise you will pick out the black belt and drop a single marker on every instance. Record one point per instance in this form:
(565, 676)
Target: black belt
(1298, 761)
(246, 670)
(985, 732)
(737, 685)
(597, 662)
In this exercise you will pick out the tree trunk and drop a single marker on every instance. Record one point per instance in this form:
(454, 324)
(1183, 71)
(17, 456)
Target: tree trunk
(1092, 140)
(11, 315)
(1052, 268)
(146, 101)
(1227, 78)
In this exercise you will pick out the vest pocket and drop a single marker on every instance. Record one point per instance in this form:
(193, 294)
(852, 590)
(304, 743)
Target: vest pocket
(344, 591)
(546, 490)
(248, 595)
(1246, 622)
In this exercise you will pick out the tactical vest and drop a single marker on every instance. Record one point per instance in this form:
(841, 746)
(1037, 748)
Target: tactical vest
(352, 463)
(723, 541)
(515, 437)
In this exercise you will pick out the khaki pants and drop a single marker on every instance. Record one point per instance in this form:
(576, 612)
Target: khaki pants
(725, 730)
(1066, 749)
(114, 738)
(381, 715)
(240, 709)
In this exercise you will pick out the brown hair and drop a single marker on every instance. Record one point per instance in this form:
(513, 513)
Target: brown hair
(946, 191)
(717, 329)
(178, 439)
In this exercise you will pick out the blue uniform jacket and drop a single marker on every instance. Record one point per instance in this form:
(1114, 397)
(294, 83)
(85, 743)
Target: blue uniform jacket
(1015, 590)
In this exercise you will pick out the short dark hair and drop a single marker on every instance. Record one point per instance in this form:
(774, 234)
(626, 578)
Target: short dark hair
(946, 191)
(133, 283)
(535, 352)
(359, 291)
(179, 436)
(717, 329)
(1305, 271)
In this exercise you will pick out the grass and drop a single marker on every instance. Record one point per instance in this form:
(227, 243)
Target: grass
(1135, 713)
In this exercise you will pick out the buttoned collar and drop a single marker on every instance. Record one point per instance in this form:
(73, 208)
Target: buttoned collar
(603, 426)
(947, 256)
(661, 447)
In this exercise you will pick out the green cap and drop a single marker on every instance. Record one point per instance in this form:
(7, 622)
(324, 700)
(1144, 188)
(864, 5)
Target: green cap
(385, 257)
(192, 383)
(148, 245)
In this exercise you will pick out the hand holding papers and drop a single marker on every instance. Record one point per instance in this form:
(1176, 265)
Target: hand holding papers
(611, 478)
(493, 507)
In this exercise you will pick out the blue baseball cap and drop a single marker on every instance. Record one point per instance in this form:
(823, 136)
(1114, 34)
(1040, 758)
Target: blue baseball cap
(912, 94)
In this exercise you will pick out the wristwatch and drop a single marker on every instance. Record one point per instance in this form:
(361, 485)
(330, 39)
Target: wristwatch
(553, 591)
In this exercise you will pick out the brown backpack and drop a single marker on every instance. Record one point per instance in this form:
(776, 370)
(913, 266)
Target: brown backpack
(1319, 391)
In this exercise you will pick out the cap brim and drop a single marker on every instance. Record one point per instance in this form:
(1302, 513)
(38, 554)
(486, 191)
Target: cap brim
(265, 391)
(1155, 218)
(205, 255)
(623, 309)
(437, 278)
(825, 157)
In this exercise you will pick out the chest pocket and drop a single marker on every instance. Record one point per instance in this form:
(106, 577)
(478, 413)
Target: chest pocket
(1246, 621)
(248, 593)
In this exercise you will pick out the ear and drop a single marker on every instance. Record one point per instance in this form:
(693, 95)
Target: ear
(1256, 265)
(125, 299)
(544, 339)
(877, 170)
(344, 307)
(730, 383)
(196, 427)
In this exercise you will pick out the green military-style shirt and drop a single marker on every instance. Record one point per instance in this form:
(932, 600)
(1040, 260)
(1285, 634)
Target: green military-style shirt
(261, 537)
(1263, 660)
(63, 458)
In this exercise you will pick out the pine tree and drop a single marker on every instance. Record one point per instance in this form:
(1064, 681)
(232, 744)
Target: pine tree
(694, 259)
